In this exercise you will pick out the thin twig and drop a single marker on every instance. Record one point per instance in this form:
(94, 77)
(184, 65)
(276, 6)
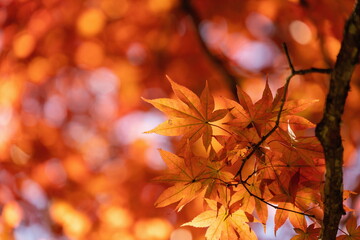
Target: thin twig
(227, 131)
(314, 70)
(274, 206)
(236, 184)
(343, 231)
(288, 58)
(283, 100)
(281, 166)
(277, 122)
(227, 184)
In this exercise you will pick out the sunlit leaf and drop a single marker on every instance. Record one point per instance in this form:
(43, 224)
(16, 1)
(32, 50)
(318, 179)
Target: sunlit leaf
(190, 115)
(223, 224)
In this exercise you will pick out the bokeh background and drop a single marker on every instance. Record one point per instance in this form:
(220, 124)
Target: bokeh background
(74, 162)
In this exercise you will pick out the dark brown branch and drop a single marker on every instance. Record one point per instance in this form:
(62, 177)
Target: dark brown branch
(220, 65)
(286, 50)
(314, 70)
(328, 130)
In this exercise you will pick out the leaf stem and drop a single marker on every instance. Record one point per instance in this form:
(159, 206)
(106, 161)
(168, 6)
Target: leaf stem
(225, 130)
(343, 231)
(274, 206)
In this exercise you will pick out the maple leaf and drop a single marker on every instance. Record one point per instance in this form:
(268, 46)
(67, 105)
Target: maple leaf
(296, 219)
(262, 115)
(297, 150)
(223, 223)
(249, 203)
(296, 122)
(184, 173)
(352, 228)
(294, 106)
(287, 198)
(346, 195)
(247, 114)
(233, 148)
(311, 233)
(215, 174)
(190, 115)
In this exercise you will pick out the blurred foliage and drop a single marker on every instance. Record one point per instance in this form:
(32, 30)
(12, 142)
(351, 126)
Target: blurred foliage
(74, 163)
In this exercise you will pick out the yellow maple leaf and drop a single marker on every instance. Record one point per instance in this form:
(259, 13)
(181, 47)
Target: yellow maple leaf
(223, 223)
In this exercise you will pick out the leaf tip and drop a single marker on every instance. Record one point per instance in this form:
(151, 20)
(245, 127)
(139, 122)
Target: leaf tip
(169, 79)
(146, 100)
(150, 131)
(185, 224)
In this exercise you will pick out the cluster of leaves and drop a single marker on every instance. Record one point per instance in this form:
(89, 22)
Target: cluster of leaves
(260, 159)
(72, 73)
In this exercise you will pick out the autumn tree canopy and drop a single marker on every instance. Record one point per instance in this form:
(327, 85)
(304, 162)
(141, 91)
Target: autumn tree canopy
(179, 119)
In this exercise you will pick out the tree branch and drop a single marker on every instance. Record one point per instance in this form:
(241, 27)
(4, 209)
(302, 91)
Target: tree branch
(328, 129)
(283, 100)
(293, 73)
(220, 65)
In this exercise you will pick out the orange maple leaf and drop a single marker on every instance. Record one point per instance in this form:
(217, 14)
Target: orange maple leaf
(247, 114)
(190, 115)
(311, 233)
(249, 203)
(352, 228)
(223, 223)
(262, 114)
(185, 173)
(296, 219)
